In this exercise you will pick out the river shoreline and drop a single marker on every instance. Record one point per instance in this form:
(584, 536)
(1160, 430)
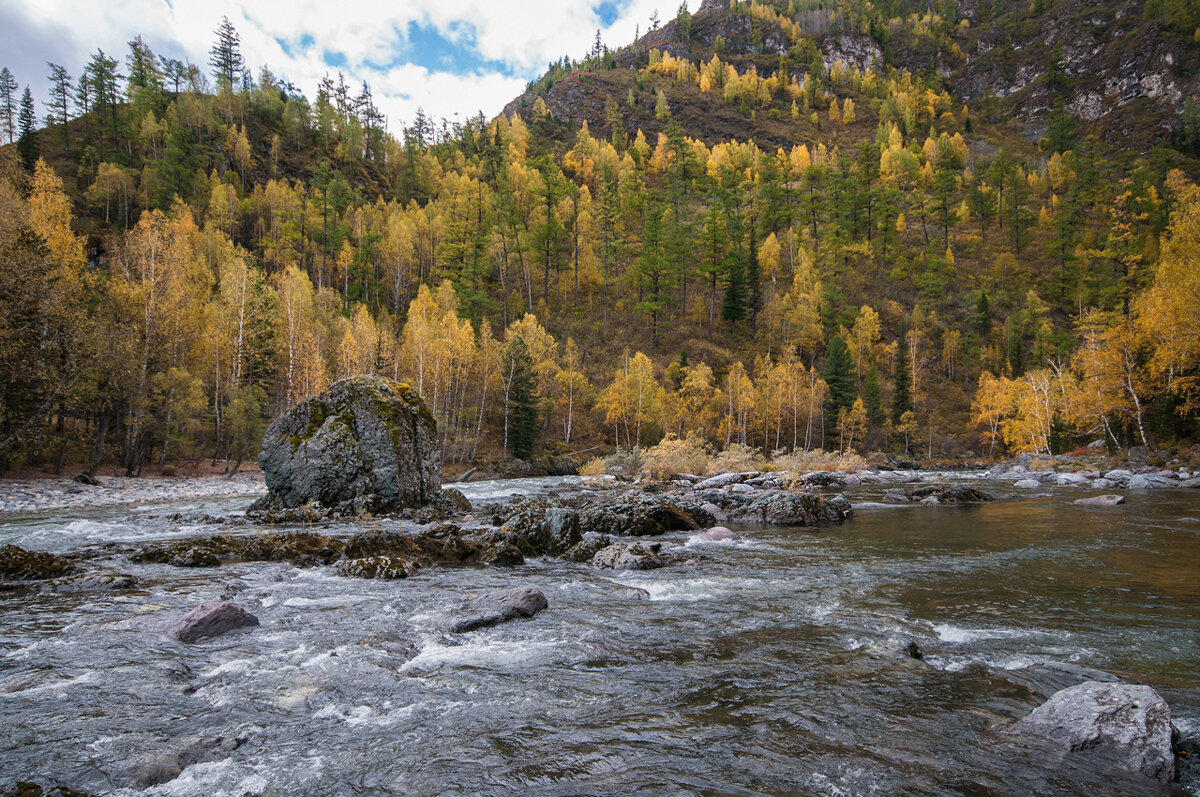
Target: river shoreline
(20, 496)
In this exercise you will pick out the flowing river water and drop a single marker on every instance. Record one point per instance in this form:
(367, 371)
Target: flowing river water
(768, 666)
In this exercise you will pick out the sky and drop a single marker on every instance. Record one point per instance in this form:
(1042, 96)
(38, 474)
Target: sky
(454, 58)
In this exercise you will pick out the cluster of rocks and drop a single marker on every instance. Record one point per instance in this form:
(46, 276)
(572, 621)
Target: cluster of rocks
(938, 494)
(48, 572)
(1146, 477)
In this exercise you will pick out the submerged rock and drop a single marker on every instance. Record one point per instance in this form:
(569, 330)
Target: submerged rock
(366, 445)
(1101, 500)
(500, 607)
(627, 556)
(18, 564)
(209, 620)
(1129, 725)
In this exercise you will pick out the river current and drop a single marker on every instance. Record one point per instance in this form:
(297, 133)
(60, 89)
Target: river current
(768, 666)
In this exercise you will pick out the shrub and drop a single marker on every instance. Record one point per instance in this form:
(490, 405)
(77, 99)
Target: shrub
(804, 461)
(673, 456)
(620, 462)
(738, 458)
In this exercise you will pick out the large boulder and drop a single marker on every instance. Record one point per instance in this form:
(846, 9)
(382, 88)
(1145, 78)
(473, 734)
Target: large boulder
(366, 445)
(627, 556)
(1126, 724)
(209, 620)
(502, 606)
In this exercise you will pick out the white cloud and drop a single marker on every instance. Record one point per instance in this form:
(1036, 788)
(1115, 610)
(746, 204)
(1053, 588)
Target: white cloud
(512, 40)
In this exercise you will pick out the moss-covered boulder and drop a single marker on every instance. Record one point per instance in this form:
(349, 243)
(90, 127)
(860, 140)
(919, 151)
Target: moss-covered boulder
(18, 564)
(366, 445)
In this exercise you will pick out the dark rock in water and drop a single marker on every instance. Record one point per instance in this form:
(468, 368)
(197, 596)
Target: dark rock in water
(456, 499)
(366, 445)
(537, 529)
(627, 556)
(1101, 500)
(209, 620)
(1126, 724)
(896, 497)
(795, 509)
(500, 607)
(502, 554)
(384, 567)
(86, 478)
(951, 494)
(635, 515)
(18, 564)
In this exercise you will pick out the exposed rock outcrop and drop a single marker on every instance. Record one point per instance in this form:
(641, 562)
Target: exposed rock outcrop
(18, 564)
(366, 445)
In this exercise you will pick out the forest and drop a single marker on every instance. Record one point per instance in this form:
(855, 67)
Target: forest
(189, 251)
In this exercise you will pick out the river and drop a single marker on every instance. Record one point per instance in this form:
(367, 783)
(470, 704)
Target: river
(766, 667)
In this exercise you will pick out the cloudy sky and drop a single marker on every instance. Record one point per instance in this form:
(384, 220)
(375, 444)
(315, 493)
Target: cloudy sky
(448, 56)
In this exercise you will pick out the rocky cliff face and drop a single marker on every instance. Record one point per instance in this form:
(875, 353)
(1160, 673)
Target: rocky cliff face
(367, 444)
(1124, 77)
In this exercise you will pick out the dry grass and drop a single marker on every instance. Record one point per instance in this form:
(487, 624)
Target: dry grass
(738, 459)
(673, 456)
(805, 461)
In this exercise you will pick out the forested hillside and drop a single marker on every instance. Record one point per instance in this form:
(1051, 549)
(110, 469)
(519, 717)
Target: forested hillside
(781, 225)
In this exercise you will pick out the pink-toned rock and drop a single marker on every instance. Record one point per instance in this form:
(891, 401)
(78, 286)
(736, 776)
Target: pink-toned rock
(210, 620)
(720, 533)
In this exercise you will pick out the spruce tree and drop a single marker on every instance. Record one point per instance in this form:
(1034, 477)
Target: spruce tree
(60, 102)
(839, 376)
(521, 410)
(983, 316)
(27, 142)
(901, 385)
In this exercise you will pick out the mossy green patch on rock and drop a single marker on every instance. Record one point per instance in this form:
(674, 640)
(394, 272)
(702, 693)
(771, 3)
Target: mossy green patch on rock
(18, 564)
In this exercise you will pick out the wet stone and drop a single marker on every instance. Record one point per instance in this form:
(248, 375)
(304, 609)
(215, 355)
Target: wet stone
(210, 620)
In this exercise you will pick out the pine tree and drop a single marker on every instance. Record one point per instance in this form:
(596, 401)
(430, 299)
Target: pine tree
(8, 105)
(521, 402)
(733, 308)
(983, 316)
(226, 56)
(27, 141)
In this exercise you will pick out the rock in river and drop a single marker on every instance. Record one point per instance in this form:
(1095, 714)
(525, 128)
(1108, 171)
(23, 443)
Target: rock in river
(1127, 724)
(18, 564)
(366, 445)
(210, 620)
(795, 509)
(719, 533)
(1101, 500)
(500, 607)
(627, 556)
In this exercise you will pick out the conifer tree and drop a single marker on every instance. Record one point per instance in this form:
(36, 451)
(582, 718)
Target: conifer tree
(60, 99)
(838, 376)
(226, 56)
(27, 142)
(901, 386)
(8, 105)
(520, 400)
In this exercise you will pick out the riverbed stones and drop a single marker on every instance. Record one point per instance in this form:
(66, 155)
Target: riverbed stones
(1126, 723)
(366, 445)
(1101, 500)
(627, 556)
(1027, 484)
(19, 564)
(723, 480)
(1150, 481)
(502, 606)
(211, 620)
(502, 553)
(381, 567)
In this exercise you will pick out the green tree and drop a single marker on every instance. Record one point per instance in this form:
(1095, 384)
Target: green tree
(839, 377)
(520, 400)
(225, 57)
(901, 385)
(60, 102)
(27, 142)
